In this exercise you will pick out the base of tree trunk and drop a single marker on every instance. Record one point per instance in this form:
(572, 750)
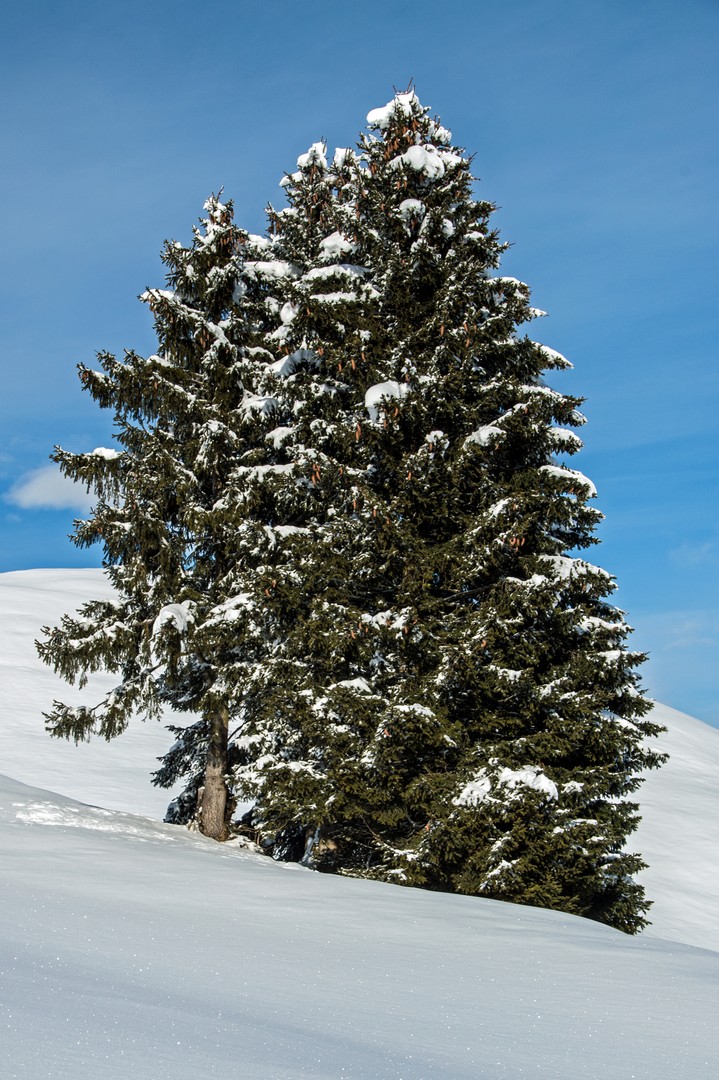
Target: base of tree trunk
(213, 806)
(213, 799)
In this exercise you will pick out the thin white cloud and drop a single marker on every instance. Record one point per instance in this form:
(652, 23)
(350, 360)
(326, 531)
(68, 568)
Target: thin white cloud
(47, 489)
(666, 632)
(695, 554)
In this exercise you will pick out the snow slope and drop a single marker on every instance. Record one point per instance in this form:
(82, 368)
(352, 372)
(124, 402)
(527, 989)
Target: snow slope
(679, 835)
(115, 774)
(679, 832)
(133, 948)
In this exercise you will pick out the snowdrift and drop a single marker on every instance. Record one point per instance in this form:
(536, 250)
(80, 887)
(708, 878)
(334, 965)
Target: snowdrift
(133, 948)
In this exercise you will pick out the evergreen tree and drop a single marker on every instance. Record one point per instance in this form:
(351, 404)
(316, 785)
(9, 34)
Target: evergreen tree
(186, 624)
(342, 524)
(315, 360)
(461, 711)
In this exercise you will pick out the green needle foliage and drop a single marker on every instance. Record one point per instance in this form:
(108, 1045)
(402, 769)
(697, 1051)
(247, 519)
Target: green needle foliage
(343, 521)
(182, 628)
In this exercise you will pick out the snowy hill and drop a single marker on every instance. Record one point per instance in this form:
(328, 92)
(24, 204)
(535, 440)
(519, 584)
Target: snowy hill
(679, 832)
(133, 948)
(113, 775)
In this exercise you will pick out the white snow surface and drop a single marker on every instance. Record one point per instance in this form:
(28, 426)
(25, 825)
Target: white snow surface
(316, 155)
(379, 392)
(133, 948)
(484, 435)
(114, 775)
(573, 476)
(555, 357)
(335, 246)
(410, 208)
(679, 832)
(178, 614)
(104, 452)
(400, 103)
(479, 789)
(424, 159)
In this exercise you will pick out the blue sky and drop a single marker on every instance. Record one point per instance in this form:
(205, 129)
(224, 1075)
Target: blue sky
(594, 124)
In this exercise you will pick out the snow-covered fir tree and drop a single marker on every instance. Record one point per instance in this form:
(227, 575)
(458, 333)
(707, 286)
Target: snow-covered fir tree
(345, 534)
(458, 709)
(186, 628)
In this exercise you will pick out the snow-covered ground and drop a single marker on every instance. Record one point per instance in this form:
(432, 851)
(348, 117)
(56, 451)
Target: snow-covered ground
(679, 833)
(129, 948)
(113, 775)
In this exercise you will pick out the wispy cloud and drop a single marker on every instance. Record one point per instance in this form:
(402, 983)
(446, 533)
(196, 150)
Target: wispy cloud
(47, 489)
(696, 554)
(676, 630)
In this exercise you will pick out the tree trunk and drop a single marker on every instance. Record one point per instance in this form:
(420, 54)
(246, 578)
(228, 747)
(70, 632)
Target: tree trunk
(214, 796)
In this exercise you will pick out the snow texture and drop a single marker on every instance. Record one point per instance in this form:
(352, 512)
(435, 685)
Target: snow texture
(423, 159)
(411, 208)
(347, 270)
(115, 965)
(113, 774)
(288, 365)
(381, 391)
(400, 103)
(104, 452)
(573, 477)
(678, 835)
(555, 358)
(484, 435)
(177, 615)
(335, 246)
(316, 155)
(480, 788)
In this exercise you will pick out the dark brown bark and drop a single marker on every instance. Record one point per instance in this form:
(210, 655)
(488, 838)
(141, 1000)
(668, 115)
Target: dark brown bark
(213, 810)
